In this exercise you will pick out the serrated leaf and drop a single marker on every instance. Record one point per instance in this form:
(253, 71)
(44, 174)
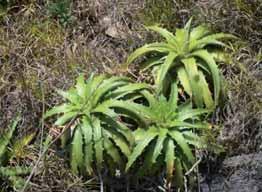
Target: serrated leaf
(164, 70)
(18, 148)
(207, 96)
(77, 156)
(147, 164)
(179, 176)
(139, 148)
(81, 87)
(126, 89)
(107, 86)
(182, 124)
(65, 118)
(113, 152)
(170, 38)
(173, 98)
(119, 141)
(194, 80)
(184, 80)
(181, 39)
(139, 134)
(157, 47)
(194, 139)
(87, 131)
(169, 158)
(71, 95)
(191, 113)
(14, 171)
(152, 62)
(159, 144)
(65, 137)
(6, 137)
(198, 32)
(119, 127)
(98, 143)
(203, 54)
(64, 108)
(179, 139)
(136, 111)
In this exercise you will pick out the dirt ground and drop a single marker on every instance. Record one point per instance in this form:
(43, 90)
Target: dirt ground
(43, 49)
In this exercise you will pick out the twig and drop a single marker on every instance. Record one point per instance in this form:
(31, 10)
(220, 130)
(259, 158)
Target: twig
(101, 182)
(193, 167)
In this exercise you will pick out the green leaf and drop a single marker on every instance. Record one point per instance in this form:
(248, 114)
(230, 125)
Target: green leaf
(119, 127)
(113, 152)
(64, 108)
(159, 144)
(65, 137)
(182, 124)
(65, 118)
(139, 148)
(194, 80)
(107, 86)
(210, 40)
(188, 25)
(77, 156)
(19, 146)
(119, 141)
(170, 38)
(198, 32)
(81, 87)
(14, 171)
(181, 39)
(164, 70)
(191, 113)
(157, 47)
(6, 137)
(139, 134)
(179, 139)
(136, 111)
(179, 176)
(204, 55)
(152, 62)
(96, 82)
(98, 139)
(70, 95)
(147, 164)
(87, 131)
(207, 96)
(194, 139)
(173, 99)
(184, 80)
(169, 159)
(17, 182)
(126, 89)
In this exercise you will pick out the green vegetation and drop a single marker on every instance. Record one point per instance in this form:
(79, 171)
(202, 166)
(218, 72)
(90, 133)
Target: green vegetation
(172, 131)
(156, 129)
(156, 12)
(97, 126)
(185, 57)
(60, 10)
(101, 110)
(13, 173)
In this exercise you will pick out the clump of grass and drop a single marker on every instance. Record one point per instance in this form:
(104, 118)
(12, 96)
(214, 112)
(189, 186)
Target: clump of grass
(243, 110)
(61, 10)
(156, 12)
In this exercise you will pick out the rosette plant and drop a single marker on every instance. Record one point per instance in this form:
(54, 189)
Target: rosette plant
(98, 134)
(170, 136)
(188, 57)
